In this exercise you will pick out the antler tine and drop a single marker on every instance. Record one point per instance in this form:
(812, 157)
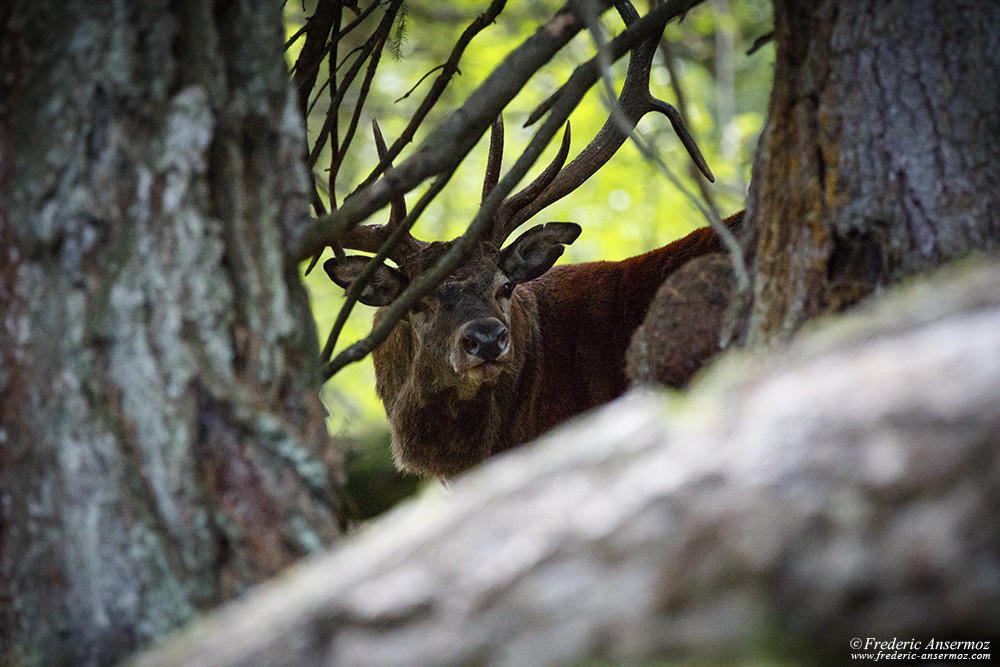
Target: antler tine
(507, 218)
(495, 158)
(370, 238)
(634, 102)
(397, 207)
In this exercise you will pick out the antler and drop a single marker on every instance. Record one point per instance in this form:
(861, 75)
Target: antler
(634, 102)
(514, 203)
(370, 238)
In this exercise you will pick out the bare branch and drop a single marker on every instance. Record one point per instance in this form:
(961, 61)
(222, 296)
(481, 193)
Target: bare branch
(417, 84)
(448, 70)
(371, 48)
(625, 121)
(325, 19)
(398, 228)
(451, 140)
(760, 42)
(331, 46)
(338, 158)
(675, 83)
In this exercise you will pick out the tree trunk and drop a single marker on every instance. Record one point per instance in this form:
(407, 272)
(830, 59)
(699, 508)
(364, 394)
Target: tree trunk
(162, 445)
(786, 506)
(879, 156)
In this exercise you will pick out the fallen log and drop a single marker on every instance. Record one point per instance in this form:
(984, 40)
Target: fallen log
(842, 489)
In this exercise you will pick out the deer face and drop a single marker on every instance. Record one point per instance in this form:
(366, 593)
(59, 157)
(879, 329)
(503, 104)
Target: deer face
(462, 330)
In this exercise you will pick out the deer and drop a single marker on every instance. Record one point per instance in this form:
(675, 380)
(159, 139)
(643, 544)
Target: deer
(509, 345)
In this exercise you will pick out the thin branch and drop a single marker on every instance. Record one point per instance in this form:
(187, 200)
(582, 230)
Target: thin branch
(325, 19)
(376, 55)
(728, 239)
(331, 176)
(760, 42)
(295, 37)
(417, 84)
(354, 292)
(732, 245)
(373, 47)
(314, 66)
(634, 101)
(682, 108)
(337, 96)
(322, 89)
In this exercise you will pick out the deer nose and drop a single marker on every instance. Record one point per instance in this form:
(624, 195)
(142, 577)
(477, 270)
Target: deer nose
(486, 338)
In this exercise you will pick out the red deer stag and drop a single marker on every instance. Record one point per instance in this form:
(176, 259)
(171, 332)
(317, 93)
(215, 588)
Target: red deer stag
(507, 346)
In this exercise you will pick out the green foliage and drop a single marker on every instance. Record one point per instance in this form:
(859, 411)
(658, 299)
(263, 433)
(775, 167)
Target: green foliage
(373, 484)
(627, 208)
(398, 35)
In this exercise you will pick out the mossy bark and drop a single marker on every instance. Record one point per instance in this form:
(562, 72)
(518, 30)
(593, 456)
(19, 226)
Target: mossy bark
(879, 156)
(162, 445)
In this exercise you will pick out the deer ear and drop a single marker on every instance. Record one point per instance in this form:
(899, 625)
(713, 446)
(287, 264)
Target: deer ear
(535, 251)
(384, 286)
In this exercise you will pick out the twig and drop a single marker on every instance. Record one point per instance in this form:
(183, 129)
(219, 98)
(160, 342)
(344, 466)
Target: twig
(682, 108)
(338, 157)
(325, 19)
(417, 84)
(377, 37)
(759, 42)
(314, 66)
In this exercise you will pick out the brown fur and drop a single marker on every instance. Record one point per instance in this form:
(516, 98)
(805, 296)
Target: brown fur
(683, 328)
(570, 329)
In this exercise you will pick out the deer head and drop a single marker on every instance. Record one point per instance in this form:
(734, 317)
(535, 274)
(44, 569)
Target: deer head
(463, 328)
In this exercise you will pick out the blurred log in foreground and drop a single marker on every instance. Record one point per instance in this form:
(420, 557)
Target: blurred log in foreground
(844, 487)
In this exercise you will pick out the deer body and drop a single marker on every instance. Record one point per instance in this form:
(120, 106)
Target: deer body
(506, 348)
(569, 328)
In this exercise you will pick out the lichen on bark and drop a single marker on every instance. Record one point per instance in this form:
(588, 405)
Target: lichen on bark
(164, 446)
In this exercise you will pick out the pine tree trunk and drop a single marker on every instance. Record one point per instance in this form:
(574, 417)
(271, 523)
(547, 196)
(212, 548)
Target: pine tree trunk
(162, 445)
(879, 156)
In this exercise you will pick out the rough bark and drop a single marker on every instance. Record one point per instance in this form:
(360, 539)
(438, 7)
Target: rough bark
(162, 446)
(843, 488)
(878, 159)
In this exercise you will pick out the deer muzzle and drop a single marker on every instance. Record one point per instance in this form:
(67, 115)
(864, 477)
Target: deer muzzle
(481, 347)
